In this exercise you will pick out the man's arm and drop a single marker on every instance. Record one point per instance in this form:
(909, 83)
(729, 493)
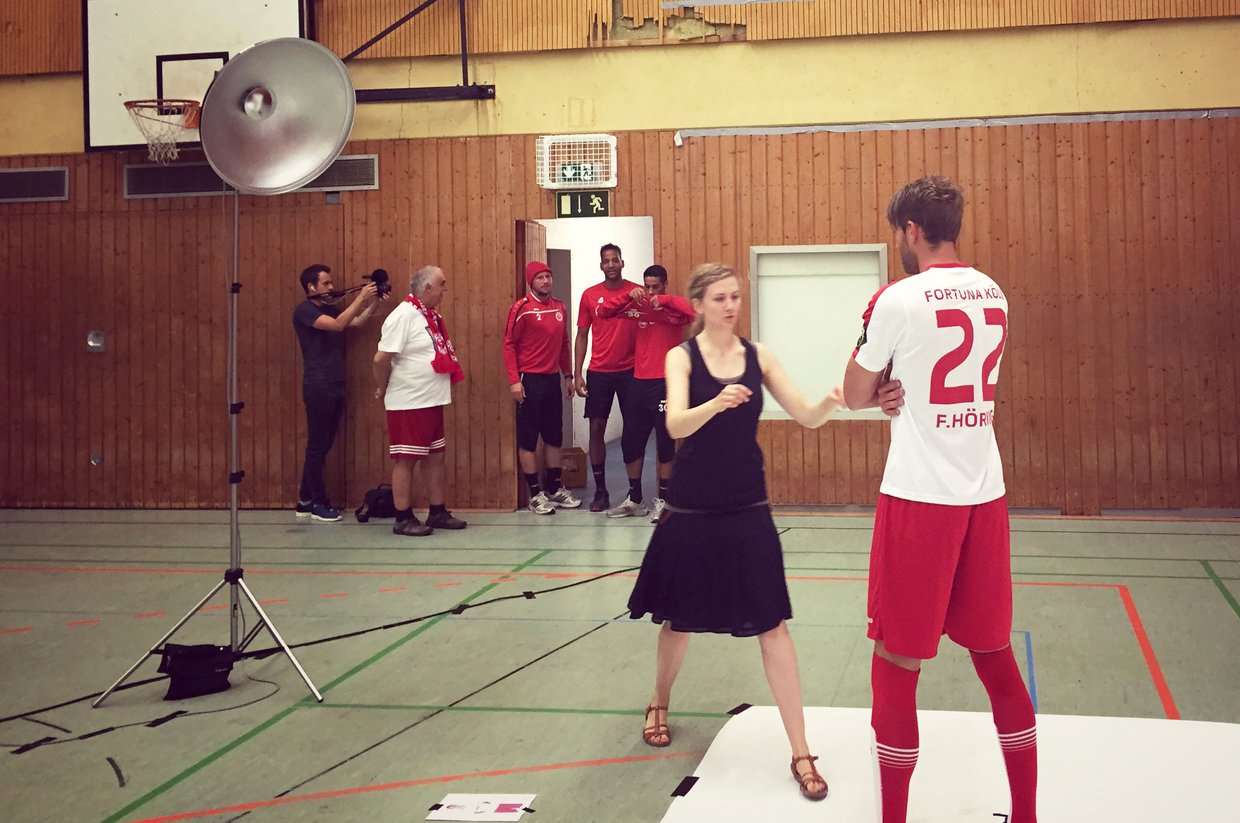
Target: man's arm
(341, 322)
(367, 312)
(383, 372)
(579, 360)
(861, 386)
(620, 302)
(671, 309)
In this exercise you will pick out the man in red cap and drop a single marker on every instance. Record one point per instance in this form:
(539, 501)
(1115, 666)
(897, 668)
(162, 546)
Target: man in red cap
(540, 374)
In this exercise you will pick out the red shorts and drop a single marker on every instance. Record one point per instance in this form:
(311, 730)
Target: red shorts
(938, 570)
(415, 433)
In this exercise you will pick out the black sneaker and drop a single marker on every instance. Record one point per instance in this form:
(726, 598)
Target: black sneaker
(411, 528)
(601, 501)
(445, 520)
(303, 510)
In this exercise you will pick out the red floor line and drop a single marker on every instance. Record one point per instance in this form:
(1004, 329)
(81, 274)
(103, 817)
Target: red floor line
(270, 602)
(85, 622)
(150, 614)
(1147, 649)
(17, 631)
(394, 589)
(334, 594)
(218, 607)
(424, 781)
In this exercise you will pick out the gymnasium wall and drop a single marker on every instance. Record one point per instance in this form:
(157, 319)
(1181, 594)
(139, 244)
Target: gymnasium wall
(1114, 242)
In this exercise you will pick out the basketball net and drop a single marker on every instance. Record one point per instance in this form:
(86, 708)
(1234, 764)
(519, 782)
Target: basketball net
(162, 122)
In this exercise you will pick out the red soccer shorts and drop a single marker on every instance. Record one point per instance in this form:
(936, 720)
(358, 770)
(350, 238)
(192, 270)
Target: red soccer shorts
(415, 433)
(938, 570)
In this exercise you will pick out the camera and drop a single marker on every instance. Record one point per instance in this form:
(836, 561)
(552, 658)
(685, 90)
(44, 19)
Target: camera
(380, 278)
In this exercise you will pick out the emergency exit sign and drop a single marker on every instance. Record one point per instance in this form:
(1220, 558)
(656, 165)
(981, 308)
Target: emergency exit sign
(583, 203)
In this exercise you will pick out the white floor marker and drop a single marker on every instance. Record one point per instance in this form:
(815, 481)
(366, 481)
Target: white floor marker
(1091, 770)
(483, 807)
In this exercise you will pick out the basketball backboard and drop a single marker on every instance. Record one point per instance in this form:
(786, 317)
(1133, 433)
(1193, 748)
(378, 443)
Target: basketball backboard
(142, 49)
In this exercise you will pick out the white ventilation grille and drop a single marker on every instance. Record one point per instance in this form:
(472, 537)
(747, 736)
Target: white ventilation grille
(576, 161)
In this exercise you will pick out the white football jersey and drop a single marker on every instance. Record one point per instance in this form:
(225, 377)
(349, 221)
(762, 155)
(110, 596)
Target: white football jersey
(943, 332)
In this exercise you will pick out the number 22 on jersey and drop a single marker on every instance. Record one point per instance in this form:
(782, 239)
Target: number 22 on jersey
(941, 394)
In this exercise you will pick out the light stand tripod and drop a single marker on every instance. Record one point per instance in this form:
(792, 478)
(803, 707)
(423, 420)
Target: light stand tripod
(233, 576)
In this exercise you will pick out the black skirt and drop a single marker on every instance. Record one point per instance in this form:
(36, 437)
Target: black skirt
(720, 573)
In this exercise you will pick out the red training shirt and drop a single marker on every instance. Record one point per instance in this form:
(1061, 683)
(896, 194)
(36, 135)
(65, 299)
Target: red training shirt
(613, 338)
(536, 338)
(659, 328)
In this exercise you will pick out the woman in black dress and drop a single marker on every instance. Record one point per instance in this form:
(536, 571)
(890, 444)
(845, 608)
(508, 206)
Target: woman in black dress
(714, 563)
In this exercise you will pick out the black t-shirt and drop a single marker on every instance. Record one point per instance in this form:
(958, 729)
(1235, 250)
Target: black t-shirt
(323, 351)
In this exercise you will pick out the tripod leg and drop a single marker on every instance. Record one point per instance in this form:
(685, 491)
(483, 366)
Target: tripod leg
(279, 640)
(99, 700)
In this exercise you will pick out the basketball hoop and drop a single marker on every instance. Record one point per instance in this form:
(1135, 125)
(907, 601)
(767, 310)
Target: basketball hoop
(162, 122)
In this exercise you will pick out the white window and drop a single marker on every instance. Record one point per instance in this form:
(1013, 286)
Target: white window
(807, 305)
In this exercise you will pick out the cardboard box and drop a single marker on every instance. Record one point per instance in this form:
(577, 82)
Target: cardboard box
(574, 463)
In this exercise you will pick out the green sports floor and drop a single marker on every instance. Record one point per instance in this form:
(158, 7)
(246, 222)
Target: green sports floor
(1127, 617)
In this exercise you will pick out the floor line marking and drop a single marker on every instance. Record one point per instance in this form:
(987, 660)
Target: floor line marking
(1227, 595)
(1033, 681)
(509, 709)
(424, 781)
(188, 772)
(1147, 649)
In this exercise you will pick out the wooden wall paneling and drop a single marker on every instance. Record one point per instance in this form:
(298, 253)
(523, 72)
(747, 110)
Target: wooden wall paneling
(1136, 254)
(1022, 333)
(1209, 216)
(1147, 232)
(1052, 304)
(818, 166)
(102, 480)
(91, 265)
(475, 334)
(876, 189)
(1124, 477)
(1071, 287)
(1087, 321)
(1103, 322)
(1228, 203)
(1166, 315)
(1192, 159)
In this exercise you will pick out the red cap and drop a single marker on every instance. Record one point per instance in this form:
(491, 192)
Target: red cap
(533, 269)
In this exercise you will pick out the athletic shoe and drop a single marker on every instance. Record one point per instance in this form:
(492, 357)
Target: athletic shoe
(540, 504)
(411, 528)
(444, 520)
(324, 513)
(628, 509)
(303, 510)
(601, 501)
(563, 499)
(659, 505)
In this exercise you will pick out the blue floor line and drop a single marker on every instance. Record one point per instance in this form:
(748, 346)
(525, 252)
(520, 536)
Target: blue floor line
(1033, 681)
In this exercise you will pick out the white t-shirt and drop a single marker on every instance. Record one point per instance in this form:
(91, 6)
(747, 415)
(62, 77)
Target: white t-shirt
(413, 384)
(943, 331)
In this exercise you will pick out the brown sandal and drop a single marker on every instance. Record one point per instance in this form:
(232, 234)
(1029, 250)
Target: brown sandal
(657, 730)
(811, 776)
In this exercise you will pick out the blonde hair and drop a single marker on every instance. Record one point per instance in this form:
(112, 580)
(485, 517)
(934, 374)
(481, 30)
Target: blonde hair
(703, 277)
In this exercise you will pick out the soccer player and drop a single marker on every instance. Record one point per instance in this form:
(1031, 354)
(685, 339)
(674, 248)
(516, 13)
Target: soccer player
(940, 562)
(661, 319)
(536, 359)
(611, 362)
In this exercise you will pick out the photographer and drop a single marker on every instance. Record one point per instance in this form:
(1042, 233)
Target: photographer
(319, 322)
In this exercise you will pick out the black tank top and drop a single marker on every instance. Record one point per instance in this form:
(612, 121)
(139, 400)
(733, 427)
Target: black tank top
(719, 467)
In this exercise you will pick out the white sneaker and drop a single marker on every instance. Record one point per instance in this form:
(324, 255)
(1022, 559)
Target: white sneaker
(563, 499)
(540, 504)
(659, 505)
(628, 509)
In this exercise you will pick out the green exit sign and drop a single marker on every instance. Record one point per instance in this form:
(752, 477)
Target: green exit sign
(583, 203)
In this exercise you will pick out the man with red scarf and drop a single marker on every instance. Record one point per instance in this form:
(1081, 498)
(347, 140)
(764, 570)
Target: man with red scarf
(415, 368)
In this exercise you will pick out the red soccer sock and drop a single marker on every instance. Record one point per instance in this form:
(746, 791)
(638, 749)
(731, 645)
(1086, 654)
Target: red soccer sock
(1014, 720)
(894, 720)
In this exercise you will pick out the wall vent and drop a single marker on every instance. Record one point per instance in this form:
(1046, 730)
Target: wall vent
(353, 172)
(34, 185)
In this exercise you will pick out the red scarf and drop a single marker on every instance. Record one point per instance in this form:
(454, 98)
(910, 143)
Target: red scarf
(445, 361)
